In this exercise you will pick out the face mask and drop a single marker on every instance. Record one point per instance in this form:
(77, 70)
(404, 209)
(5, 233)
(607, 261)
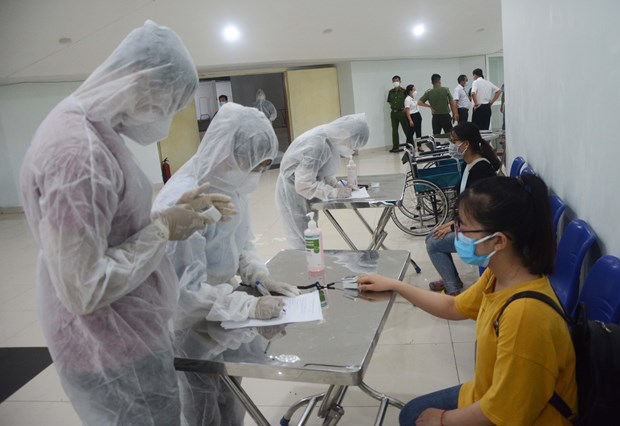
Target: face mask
(415, 92)
(466, 249)
(453, 150)
(250, 184)
(222, 103)
(396, 83)
(260, 98)
(344, 151)
(147, 134)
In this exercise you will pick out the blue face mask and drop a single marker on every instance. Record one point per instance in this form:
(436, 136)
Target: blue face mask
(222, 103)
(466, 249)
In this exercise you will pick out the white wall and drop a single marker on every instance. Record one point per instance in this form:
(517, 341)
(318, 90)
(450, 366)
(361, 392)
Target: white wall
(561, 62)
(22, 108)
(371, 81)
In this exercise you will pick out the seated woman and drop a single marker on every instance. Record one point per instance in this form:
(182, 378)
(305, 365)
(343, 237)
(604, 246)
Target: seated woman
(504, 223)
(481, 162)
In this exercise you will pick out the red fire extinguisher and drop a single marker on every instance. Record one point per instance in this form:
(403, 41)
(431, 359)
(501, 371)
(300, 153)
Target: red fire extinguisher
(165, 170)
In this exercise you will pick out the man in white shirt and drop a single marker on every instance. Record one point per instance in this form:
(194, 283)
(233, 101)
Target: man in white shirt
(484, 94)
(462, 100)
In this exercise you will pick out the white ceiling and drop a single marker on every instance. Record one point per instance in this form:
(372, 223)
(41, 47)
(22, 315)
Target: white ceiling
(274, 32)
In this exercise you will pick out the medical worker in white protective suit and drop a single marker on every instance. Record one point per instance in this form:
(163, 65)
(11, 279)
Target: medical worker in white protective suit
(265, 106)
(237, 148)
(105, 289)
(308, 171)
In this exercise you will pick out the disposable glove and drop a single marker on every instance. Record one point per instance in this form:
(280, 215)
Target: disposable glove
(181, 221)
(200, 201)
(331, 180)
(341, 192)
(267, 307)
(280, 287)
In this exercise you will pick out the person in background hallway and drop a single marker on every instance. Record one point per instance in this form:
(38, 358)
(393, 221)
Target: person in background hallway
(527, 356)
(308, 171)
(265, 106)
(502, 108)
(222, 100)
(105, 288)
(441, 102)
(462, 100)
(396, 99)
(412, 112)
(484, 94)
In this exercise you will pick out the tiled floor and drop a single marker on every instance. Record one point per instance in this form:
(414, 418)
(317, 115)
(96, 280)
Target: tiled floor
(417, 353)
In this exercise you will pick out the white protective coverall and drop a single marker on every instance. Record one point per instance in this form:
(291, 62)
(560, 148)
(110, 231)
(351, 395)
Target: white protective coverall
(237, 141)
(265, 106)
(308, 170)
(105, 289)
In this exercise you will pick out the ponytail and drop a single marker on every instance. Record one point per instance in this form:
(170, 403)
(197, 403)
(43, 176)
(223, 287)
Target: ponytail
(469, 132)
(487, 152)
(518, 207)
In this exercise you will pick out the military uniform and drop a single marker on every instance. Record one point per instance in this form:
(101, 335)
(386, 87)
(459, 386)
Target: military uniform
(396, 99)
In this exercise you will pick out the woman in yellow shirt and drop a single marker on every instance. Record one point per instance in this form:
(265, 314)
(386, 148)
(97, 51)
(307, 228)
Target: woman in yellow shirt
(505, 224)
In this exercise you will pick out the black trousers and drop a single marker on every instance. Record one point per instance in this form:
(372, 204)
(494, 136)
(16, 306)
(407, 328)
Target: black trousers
(417, 127)
(442, 122)
(463, 115)
(482, 116)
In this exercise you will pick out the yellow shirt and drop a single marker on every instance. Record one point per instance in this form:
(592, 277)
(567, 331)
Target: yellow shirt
(517, 372)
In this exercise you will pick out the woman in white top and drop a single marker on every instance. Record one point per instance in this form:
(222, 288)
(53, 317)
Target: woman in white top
(412, 112)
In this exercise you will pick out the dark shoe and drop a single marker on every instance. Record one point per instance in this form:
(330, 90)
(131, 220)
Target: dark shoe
(395, 150)
(455, 293)
(438, 285)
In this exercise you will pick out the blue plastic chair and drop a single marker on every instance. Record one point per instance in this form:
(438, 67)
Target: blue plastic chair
(517, 165)
(528, 170)
(601, 290)
(557, 208)
(574, 244)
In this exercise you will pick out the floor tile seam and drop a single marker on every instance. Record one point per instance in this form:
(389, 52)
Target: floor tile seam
(19, 331)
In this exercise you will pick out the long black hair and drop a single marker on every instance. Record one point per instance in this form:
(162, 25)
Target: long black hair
(518, 207)
(409, 89)
(469, 132)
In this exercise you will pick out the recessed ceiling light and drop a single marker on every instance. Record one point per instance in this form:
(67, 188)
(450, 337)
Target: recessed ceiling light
(231, 33)
(327, 31)
(418, 30)
(65, 40)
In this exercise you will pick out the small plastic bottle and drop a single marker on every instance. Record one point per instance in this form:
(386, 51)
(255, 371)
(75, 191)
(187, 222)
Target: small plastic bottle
(352, 174)
(314, 246)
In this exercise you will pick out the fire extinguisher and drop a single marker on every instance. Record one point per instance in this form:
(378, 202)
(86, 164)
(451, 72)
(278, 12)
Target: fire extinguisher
(165, 170)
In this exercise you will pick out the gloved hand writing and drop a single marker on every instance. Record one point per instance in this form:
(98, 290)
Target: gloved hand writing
(341, 192)
(181, 221)
(280, 287)
(267, 307)
(331, 180)
(200, 201)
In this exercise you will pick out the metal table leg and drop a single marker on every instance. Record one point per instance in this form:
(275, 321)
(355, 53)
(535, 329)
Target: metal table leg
(253, 410)
(343, 234)
(310, 401)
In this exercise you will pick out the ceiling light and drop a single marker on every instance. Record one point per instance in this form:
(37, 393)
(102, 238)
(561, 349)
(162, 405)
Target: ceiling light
(231, 33)
(418, 30)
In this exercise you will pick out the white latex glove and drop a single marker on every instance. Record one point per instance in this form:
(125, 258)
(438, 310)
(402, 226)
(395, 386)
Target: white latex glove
(267, 307)
(331, 181)
(200, 201)
(341, 192)
(280, 287)
(181, 221)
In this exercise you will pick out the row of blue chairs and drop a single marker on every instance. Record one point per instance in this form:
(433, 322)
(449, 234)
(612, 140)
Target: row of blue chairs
(601, 288)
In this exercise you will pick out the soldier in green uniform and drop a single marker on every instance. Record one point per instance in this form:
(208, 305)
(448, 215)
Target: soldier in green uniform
(441, 102)
(396, 99)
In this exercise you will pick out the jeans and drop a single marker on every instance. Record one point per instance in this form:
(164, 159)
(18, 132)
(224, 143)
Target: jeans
(445, 399)
(440, 253)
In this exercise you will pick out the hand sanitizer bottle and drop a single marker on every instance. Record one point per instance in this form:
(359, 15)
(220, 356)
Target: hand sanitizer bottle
(352, 174)
(314, 246)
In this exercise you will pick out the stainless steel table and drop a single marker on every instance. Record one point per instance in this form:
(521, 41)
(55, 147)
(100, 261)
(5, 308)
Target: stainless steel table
(388, 195)
(335, 351)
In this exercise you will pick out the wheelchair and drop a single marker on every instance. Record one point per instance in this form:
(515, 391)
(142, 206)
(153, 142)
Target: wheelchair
(430, 188)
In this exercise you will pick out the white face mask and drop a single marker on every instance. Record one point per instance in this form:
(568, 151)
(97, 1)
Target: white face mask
(261, 98)
(344, 151)
(250, 184)
(396, 83)
(415, 92)
(147, 134)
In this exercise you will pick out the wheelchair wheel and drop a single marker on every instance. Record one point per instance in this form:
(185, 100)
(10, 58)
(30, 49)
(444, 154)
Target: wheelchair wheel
(425, 207)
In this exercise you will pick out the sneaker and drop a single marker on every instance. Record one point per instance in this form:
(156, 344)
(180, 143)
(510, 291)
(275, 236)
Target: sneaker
(438, 285)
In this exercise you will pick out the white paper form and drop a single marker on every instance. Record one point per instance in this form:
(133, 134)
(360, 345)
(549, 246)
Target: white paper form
(360, 193)
(302, 308)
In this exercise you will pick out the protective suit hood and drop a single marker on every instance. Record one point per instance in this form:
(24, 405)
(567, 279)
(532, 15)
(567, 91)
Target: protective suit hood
(148, 78)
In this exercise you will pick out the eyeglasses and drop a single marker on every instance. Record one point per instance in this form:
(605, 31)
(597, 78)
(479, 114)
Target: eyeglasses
(457, 229)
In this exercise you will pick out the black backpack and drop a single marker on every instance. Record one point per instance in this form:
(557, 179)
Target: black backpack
(597, 351)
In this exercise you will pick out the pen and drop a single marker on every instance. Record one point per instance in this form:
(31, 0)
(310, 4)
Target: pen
(261, 288)
(342, 182)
